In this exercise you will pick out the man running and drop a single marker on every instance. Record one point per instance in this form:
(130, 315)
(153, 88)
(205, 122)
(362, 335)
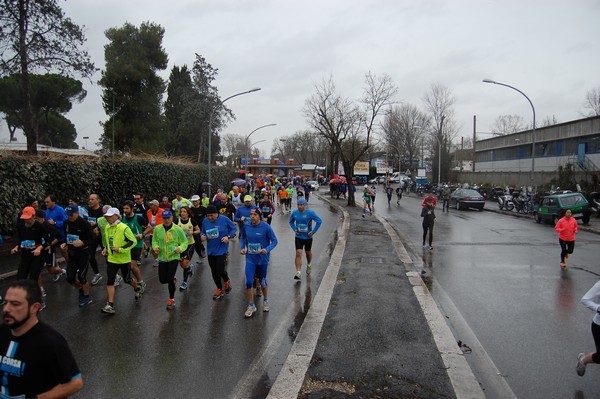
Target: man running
(139, 227)
(267, 208)
(30, 234)
(257, 243)
(37, 361)
(217, 230)
(118, 242)
(225, 207)
(301, 221)
(79, 238)
(154, 218)
(94, 213)
(366, 201)
(168, 241)
(242, 214)
(178, 203)
(190, 228)
(198, 214)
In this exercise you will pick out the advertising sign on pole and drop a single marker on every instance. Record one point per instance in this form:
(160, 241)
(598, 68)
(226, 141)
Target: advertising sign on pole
(361, 169)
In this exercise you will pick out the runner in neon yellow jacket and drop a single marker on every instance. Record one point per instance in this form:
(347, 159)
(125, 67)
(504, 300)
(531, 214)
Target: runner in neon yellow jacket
(165, 241)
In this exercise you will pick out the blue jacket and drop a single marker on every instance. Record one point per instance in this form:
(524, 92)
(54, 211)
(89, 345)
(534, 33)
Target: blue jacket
(58, 214)
(215, 231)
(302, 222)
(245, 212)
(256, 238)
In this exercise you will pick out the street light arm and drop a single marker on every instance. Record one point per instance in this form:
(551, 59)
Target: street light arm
(514, 88)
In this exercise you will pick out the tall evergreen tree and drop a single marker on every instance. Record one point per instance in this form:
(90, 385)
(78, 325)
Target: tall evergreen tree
(133, 91)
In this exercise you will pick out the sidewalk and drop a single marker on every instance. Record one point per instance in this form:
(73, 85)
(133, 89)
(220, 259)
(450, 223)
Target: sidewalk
(382, 335)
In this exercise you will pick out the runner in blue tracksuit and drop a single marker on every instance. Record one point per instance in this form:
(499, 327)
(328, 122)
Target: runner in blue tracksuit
(216, 231)
(257, 244)
(301, 221)
(242, 214)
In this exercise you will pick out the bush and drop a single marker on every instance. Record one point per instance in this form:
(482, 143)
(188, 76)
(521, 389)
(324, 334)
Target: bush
(114, 180)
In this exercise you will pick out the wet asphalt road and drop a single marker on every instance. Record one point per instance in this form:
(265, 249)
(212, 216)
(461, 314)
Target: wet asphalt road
(202, 349)
(498, 276)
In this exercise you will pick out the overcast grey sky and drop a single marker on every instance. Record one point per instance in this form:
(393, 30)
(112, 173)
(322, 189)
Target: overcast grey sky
(548, 49)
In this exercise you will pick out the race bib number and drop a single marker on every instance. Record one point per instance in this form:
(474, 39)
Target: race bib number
(266, 209)
(92, 220)
(211, 234)
(71, 238)
(302, 228)
(254, 248)
(28, 244)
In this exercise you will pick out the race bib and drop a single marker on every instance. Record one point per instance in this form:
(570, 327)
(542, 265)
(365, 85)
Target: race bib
(91, 219)
(28, 244)
(212, 233)
(302, 228)
(266, 209)
(254, 248)
(71, 238)
(247, 220)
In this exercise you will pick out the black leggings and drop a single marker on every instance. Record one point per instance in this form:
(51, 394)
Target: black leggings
(218, 268)
(77, 266)
(93, 261)
(166, 275)
(30, 266)
(428, 228)
(567, 247)
(596, 335)
(113, 268)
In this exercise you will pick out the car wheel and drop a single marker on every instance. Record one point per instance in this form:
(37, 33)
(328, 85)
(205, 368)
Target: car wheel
(457, 205)
(537, 217)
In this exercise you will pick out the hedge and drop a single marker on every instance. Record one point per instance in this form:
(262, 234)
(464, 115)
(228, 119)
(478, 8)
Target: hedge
(114, 180)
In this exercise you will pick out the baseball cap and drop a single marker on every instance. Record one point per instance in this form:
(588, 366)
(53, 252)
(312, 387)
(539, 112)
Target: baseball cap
(366, 186)
(71, 209)
(302, 201)
(195, 198)
(28, 212)
(40, 213)
(153, 202)
(211, 209)
(167, 214)
(204, 195)
(112, 212)
(247, 198)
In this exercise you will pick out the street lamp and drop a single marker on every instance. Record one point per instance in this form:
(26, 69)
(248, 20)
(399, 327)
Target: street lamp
(533, 127)
(210, 119)
(248, 136)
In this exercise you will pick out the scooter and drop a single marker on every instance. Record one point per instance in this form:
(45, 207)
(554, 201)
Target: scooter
(506, 202)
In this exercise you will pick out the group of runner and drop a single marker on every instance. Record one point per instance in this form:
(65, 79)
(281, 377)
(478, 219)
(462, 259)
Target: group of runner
(169, 231)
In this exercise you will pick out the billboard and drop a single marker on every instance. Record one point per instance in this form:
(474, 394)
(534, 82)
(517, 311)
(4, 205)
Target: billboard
(382, 168)
(361, 169)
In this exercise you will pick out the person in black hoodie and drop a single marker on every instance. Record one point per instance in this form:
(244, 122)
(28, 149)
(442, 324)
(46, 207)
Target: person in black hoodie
(79, 238)
(428, 215)
(29, 234)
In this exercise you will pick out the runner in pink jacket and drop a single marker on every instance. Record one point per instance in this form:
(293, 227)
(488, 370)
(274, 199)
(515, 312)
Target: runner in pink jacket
(566, 228)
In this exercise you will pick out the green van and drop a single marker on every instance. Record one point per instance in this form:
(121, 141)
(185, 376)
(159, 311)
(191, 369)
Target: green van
(553, 206)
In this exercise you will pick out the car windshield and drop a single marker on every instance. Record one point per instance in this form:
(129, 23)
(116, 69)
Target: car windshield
(469, 193)
(573, 200)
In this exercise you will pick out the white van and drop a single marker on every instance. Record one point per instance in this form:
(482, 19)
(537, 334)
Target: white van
(397, 176)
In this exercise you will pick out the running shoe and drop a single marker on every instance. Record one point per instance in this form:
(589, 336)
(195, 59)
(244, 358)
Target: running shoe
(183, 286)
(563, 265)
(171, 304)
(142, 285)
(250, 311)
(218, 294)
(430, 248)
(118, 280)
(266, 307)
(57, 276)
(297, 276)
(86, 300)
(108, 309)
(308, 269)
(96, 279)
(227, 286)
(580, 365)
(566, 256)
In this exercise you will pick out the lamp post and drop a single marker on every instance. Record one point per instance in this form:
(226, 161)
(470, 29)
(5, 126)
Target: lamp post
(248, 136)
(533, 127)
(113, 127)
(210, 119)
(248, 150)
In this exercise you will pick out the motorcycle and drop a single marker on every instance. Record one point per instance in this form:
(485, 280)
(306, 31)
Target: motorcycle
(506, 202)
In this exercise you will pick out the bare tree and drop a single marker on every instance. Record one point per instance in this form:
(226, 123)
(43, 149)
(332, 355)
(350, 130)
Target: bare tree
(507, 124)
(548, 121)
(439, 101)
(403, 129)
(348, 127)
(592, 102)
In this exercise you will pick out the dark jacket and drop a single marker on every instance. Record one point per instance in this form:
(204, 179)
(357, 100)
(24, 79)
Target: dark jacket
(428, 218)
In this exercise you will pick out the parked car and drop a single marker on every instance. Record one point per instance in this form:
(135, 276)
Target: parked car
(313, 185)
(377, 180)
(553, 207)
(467, 198)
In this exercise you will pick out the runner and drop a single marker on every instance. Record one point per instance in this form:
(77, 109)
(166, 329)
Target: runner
(428, 215)
(140, 228)
(566, 229)
(592, 301)
(398, 194)
(154, 218)
(235, 196)
(257, 244)
(178, 203)
(445, 198)
(217, 230)
(190, 227)
(366, 201)
(118, 242)
(225, 208)
(389, 191)
(198, 214)
(301, 221)
(433, 200)
(51, 238)
(95, 212)
(30, 234)
(282, 195)
(79, 238)
(267, 208)
(288, 201)
(37, 361)
(242, 214)
(168, 241)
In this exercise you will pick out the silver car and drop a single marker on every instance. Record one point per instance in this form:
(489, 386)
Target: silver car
(314, 186)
